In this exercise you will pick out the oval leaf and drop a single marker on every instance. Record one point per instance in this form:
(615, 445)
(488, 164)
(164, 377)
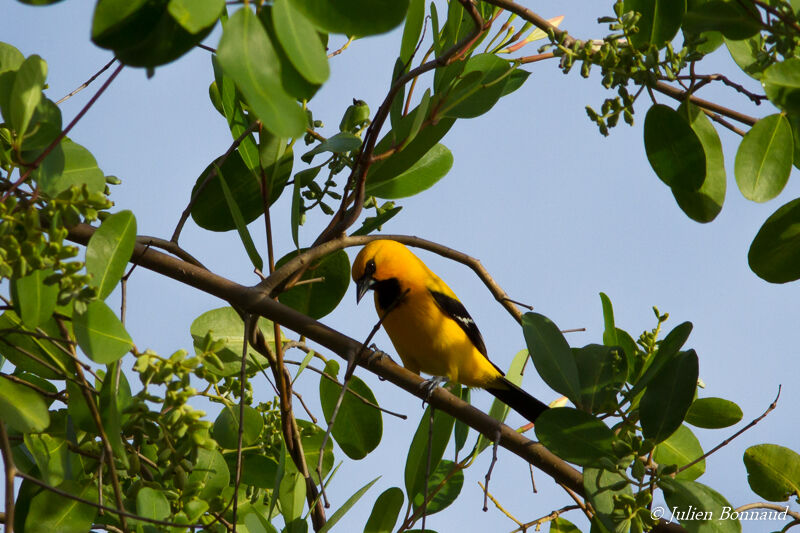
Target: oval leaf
(448, 492)
(152, 503)
(734, 20)
(775, 253)
(109, 250)
(701, 506)
(300, 41)
(35, 299)
(26, 93)
(782, 84)
(226, 427)
(575, 436)
(704, 204)
(418, 455)
(195, 15)
(668, 397)
(247, 55)
(385, 511)
(358, 427)
(354, 17)
(551, 355)
(659, 22)
(318, 298)
(602, 489)
(673, 149)
(422, 175)
(100, 334)
(713, 413)
(681, 448)
(209, 475)
(773, 471)
(50, 512)
(22, 408)
(602, 371)
(76, 166)
(764, 159)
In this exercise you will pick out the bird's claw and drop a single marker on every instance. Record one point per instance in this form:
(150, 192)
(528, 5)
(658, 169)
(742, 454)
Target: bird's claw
(430, 385)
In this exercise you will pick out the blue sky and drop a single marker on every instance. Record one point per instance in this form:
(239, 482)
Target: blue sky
(556, 213)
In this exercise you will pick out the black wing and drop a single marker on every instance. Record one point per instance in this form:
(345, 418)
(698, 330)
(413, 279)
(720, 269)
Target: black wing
(456, 310)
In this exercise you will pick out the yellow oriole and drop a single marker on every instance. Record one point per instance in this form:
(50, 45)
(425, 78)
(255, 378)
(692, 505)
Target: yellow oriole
(429, 327)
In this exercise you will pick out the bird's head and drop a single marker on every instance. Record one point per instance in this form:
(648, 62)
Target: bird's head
(380, 261)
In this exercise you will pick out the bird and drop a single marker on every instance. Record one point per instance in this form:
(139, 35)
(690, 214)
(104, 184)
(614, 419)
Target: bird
(429, 327)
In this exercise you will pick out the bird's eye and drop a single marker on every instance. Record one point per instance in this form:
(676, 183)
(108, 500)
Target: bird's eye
(370, 269)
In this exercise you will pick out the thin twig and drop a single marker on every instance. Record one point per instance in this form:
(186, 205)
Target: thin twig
(171, 247)
(724, 443)
(488, 476)
(497, 504)
(342, 49)
(87, 82)
(771, 506)
(38, 161)
(240, 436)
(547, 518)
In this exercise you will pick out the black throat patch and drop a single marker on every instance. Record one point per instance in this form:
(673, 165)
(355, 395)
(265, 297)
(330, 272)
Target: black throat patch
(388, 290)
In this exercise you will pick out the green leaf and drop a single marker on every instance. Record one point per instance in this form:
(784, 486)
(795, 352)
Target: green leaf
(417, 460)
(45, 127)
(748, 55)
(51, 456)
(412, 29)
(374, 223)
(701, 505)
(226, 427)
(300, 41)
(422, 175)
(16, 347)
(115, 22)
(195, 15)
(100, 334)
(257, 470)
(384, 513)
(602, 371)
(773, 471)
(482, 82)
(292, 495)
(704, 204)
(112, 402)
(346, 506)
(241, 225)
(461, 430)
(77, 166)
(209, 475)
(151, 503)
(610, 330)
(668, 397)
(764, 159)
(22, 408)
(659, 22)
(78, 409)
(210, 210)
(358, 427)
(551, 355)
(246, 54)
(562, 525)
(292, 81)
(782, 84)
(26, 92)
(775, 252)
(713, 413)
(224, 325)
(109, 250)
(602, 489)
(449, 491)
(35, 299)
(681, 448)
(296, 216)
(340, 143)
(667, 350)
(10, 58)
(734, 20)
(401, 161)
(674, 149)
(318, 298)
(574, 435)
(50, 512)
(354, 17)
(233, 109)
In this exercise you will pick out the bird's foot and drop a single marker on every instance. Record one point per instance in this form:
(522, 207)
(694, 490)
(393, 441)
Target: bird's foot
(429, 385)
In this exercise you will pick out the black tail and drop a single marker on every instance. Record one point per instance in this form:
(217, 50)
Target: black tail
(518, 399)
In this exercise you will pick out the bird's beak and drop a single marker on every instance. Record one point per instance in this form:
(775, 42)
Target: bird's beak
(364, 284)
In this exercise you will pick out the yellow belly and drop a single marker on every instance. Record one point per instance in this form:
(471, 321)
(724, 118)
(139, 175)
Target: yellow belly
(430, 342)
